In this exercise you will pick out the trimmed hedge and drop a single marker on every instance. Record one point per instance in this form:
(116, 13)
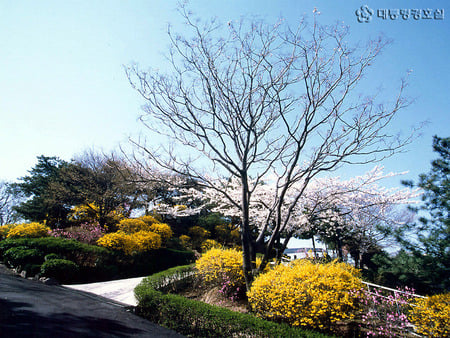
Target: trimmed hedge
(198, 319)
(21, 255)
(96, 263)
(63, 270)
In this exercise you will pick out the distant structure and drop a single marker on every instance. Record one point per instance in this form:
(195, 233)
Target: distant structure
(298, 253)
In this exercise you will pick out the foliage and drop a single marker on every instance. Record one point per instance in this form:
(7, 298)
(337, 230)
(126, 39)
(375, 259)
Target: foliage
(241, 95)
(185, 241)
(4, 230)
(100, 264)
(147, 240)
(197, 319)
(170, 280)
(307, 294)
(431, 315)
(9, 199)
(149, 220)
(131, 243)
(81, 253)
(163, 230)
(223, 268)
(198, 235)
(41, 187)
(386, 314)
(132, 225)
(63, 270)
(28, 230)
(210, 244)
(86, 233)
(20, 256)
(430, 252)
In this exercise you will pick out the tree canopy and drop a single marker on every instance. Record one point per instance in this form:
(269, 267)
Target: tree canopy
(249, 100)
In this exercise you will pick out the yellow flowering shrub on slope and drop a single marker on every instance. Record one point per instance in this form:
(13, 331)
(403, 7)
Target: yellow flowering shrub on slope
(306, 294)
(223, 268)
(33, 229)
(431, 315)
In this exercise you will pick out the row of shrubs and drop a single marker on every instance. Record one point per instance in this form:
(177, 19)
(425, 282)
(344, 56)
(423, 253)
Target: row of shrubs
(71, 261)
(194, 318)
(323, 296)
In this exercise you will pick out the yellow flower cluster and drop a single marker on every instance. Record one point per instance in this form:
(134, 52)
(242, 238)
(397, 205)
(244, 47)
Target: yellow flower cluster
(218, 266)
(209, 244)
(33, 229)
(136, 235)
(132, 225)
(4, 229)
(129, 243)
(149, 219)
(162, 229)
(431, 315)
(306, 294)
(185, 241)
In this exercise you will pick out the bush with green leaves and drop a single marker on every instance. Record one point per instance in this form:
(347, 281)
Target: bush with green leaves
(21, 255)
(63, 270)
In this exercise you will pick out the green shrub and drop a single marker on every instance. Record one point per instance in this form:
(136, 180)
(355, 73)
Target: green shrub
(19, 256)
(32, 269)
(198, 319)
(63, 270)
(80, 253)
(51, 256)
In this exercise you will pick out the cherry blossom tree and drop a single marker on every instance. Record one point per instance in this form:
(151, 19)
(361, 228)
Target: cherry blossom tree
(249, 100)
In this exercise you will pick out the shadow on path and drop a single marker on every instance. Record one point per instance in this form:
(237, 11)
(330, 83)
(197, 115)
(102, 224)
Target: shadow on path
(32, 309)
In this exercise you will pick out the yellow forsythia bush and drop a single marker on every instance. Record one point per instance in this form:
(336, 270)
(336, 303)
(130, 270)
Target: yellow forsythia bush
(209, 244)
(4, 229)
(185, 241)
(431, 315)
(147, 240)
(306, 294)
(223, 267)
(118, 241)
(162, 229)
(149, 219)
(132, 225)
(129, 243)
(33, 229)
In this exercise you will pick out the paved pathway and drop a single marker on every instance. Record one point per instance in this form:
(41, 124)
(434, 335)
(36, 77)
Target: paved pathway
(121, 290)
(31, 309)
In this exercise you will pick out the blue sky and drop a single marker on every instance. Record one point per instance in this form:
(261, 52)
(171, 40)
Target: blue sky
(63, 88)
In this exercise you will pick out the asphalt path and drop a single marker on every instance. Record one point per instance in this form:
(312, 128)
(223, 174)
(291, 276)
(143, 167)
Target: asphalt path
(32, 309)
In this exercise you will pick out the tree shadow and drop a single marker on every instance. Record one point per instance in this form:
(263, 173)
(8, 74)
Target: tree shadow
(17, 320)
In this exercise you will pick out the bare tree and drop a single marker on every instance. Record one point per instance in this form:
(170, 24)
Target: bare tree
(8, 200)
(250, 100)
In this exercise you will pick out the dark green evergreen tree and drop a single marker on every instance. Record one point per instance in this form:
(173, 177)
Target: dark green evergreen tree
(431, 251)
(41, 204)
